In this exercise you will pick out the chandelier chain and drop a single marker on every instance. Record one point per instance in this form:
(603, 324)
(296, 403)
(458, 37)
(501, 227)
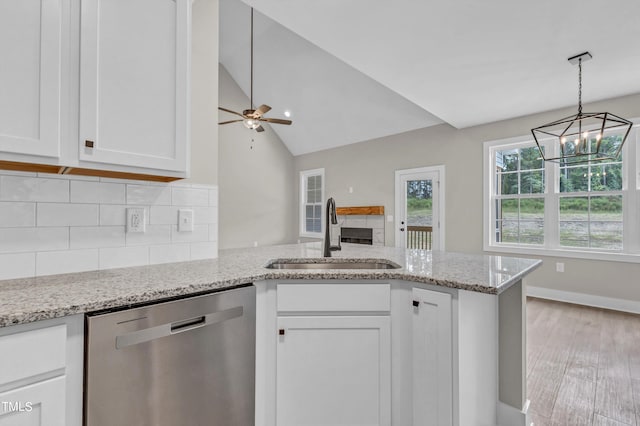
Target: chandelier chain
(580, 86)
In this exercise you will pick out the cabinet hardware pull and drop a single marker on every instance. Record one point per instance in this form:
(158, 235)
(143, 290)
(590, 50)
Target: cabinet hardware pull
(89, 144)
(281, 332)
(416, 303)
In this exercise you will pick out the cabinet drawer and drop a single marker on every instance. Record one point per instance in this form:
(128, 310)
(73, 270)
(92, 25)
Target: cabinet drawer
(32, 352)
(310, 297)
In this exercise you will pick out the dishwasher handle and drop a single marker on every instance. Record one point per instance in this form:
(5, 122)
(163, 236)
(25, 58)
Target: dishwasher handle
(164, 330)
(188, 324)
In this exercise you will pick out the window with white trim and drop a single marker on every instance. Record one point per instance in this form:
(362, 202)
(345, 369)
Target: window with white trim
(588, 209)
(519, 195)
(311, 196)
(591, 204)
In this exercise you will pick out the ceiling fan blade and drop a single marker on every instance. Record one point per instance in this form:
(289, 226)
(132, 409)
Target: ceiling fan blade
(262, 109)
(230, 121)
(276, 121)
(231, 112)
(259, 129)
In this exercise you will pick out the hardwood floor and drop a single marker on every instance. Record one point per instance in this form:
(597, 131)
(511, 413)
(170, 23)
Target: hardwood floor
(583, 365)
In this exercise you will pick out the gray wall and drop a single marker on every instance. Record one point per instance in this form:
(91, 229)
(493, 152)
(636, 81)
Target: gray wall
(257, 194)
(369, 168)
(204, 93)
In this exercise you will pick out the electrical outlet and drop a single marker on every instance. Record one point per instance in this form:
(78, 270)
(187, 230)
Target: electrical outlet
(185, 220)
(559, 267)
(135, 220)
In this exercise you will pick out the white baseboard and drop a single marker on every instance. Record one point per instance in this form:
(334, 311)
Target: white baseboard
(511, 416)
(623, 305)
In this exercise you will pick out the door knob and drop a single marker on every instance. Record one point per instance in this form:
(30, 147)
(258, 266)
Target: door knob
(402, 229)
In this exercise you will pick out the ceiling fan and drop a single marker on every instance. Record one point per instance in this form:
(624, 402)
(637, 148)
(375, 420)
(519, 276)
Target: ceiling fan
(251, 117)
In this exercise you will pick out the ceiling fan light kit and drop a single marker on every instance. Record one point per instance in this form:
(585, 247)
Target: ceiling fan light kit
(251, 118)
(580, 137)
(251, 124)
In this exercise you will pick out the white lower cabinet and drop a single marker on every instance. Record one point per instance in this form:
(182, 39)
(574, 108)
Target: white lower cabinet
(39, 404)
(332, 352)
(333, 370)
(41, 373)
(323, 353)
(432, 359)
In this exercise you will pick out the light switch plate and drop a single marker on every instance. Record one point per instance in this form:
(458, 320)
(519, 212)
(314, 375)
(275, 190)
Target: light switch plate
(135, 220)
(185, 220)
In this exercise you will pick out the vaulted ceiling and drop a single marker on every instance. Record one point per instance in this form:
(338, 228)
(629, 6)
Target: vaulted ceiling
(355, 70)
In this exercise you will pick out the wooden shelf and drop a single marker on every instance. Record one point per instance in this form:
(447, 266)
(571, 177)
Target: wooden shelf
(364, 210)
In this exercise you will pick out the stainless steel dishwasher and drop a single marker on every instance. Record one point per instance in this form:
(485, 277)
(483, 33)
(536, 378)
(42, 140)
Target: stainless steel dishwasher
(185, 362)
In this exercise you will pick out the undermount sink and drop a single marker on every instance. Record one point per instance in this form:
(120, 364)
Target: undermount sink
(331, 264)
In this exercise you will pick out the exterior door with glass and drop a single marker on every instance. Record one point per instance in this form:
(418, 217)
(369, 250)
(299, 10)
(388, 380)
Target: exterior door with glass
(419, 208)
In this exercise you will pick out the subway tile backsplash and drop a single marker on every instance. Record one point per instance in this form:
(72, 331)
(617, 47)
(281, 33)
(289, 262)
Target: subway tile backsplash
(17, 265)
(66, 214)
(52, 224)
(190, 196)
(13, 214)
(97, 192)
(25, 188)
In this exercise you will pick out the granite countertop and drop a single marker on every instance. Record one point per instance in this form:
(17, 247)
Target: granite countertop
(33, 299)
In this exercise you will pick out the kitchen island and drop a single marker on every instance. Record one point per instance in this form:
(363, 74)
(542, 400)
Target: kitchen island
(436, 306)
(33, 299)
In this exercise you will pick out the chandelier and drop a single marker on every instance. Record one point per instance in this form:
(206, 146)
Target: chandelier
(585, 136)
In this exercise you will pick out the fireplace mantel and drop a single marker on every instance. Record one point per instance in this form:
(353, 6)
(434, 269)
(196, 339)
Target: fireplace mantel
(362, 211)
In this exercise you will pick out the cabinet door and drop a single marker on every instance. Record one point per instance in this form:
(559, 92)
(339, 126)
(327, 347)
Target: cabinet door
(40, 404)
(30, 75)
(432, 359)
(134, 83)
(333, 371)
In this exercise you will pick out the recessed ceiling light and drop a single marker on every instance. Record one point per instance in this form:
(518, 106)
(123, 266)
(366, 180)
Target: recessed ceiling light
(287, 113)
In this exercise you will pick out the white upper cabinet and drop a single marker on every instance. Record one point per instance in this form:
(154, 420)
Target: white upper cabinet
(134, 83)
(31, 44)
(97, 87)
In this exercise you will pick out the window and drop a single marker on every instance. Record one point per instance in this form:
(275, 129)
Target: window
(591, 204)
(573, 209)
(518, 195)
(311, 196)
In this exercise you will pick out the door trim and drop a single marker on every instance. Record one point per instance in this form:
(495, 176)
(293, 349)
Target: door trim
(440, 170)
